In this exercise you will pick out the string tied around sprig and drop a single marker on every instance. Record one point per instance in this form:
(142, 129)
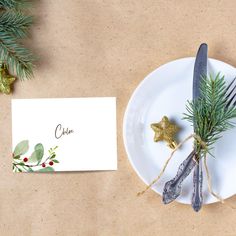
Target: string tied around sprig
(203, 147)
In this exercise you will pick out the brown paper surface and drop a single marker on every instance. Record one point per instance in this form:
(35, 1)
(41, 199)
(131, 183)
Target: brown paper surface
(105, 48)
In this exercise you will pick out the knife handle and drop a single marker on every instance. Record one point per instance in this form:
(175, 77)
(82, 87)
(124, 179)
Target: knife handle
(197, 198)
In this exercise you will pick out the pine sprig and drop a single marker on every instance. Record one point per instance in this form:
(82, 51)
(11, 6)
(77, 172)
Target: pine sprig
(13, 4)
(15, 23)
(209, 114)
(17, 58)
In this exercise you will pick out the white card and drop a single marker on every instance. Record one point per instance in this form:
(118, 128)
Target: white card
(65, 134)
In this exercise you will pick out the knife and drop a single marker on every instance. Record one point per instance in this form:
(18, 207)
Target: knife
(200, 70)
(172, 188)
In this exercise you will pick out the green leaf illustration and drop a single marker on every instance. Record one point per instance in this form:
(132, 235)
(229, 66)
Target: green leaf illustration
(40, 151)
(35, 156)
(30, 169)
(35, 161)
(46, 169)
(21, 164)
(53, 156)
(21, 148)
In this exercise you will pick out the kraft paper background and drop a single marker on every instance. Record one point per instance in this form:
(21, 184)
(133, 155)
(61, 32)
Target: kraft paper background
(105, 48)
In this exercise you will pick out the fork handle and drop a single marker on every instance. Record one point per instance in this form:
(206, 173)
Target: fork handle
(172, 188)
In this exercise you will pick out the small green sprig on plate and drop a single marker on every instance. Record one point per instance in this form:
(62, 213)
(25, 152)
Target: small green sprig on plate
(36, 161)
(211, 114)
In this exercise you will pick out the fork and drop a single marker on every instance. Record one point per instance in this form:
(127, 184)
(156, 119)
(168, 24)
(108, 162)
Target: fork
(172, 188)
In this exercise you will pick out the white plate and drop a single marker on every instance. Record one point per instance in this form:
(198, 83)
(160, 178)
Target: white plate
(165, 92)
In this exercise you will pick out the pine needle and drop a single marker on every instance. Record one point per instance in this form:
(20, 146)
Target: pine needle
(18, 59)
(14, 4)
(209, 114)
(15, 23)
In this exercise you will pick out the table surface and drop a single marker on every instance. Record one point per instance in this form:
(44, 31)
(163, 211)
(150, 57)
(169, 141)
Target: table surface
(93, 48)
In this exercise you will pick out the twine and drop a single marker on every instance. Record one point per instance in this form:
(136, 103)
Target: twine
(167, 162)
(204, 146)
(209, 182)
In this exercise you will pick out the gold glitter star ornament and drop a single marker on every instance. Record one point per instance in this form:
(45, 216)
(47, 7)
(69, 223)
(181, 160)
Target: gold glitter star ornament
(6, 80)
(165, 131)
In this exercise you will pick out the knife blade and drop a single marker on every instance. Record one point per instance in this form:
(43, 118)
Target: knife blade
(200, 70)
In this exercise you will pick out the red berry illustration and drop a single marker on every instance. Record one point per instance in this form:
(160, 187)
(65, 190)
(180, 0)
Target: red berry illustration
(25, 159)
(43, 165)
(51, 163)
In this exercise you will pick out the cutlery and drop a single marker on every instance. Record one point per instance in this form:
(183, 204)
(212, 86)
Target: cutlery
(200, 70)
(172, 188)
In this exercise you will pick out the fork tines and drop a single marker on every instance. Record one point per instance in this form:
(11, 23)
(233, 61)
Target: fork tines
(231, 94)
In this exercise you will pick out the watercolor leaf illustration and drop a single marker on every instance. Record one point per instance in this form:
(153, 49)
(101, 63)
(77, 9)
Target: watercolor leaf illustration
(38, 153)
(21, 148)
(46, 169)
(36, 162)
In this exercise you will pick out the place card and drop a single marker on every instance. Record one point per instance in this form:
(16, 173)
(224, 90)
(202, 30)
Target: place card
(64, 134)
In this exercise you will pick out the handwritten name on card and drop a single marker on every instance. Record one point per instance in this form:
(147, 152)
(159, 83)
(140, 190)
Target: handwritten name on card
(61, 131)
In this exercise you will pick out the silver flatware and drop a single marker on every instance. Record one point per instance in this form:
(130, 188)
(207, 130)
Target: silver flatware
(172, 188)
(200, 71)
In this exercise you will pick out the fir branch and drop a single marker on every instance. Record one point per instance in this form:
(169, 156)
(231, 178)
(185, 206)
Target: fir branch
(18, 59)
(13, 4)
(15, 23)
(209, 114)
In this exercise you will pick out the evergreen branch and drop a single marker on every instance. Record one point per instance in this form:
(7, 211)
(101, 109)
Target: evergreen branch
(15, 23)
(18, 59)
(13, 4)
(209, 114)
